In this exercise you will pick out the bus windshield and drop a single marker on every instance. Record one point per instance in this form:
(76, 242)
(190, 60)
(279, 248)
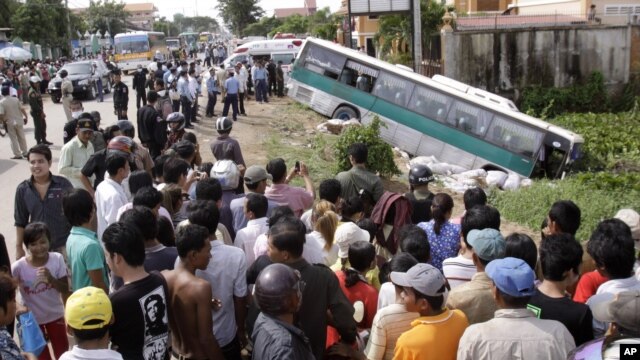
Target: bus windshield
(428, 117)
(132, 45)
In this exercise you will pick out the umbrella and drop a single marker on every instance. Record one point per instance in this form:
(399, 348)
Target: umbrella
(15, 53)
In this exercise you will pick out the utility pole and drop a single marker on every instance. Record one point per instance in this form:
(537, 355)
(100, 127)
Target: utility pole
(69, 47)
(417, 37)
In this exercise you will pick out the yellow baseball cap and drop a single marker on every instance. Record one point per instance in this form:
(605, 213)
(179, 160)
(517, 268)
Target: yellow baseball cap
(86, 304)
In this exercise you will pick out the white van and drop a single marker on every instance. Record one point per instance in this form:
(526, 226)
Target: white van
(263, 50)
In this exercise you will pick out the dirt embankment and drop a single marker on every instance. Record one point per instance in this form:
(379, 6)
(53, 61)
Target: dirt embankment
(298, 126)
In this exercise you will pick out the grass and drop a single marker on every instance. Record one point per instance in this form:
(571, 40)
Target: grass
(529, 206)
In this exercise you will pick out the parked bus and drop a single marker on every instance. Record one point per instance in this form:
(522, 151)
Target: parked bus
(454, 122)
(206, 37)
(189, 39)
(139, 48)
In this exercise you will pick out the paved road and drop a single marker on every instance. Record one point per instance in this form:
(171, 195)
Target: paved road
(12, 172)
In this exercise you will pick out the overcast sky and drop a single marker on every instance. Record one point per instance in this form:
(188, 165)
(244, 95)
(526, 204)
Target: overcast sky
(208, 7)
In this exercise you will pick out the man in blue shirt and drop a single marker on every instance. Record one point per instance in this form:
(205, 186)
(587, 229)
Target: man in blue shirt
(186, 98)
(233, 86)
(213, 91)
(260, 75)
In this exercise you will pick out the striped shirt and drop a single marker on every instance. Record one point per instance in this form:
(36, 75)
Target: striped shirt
(388, 324)
(458, 270)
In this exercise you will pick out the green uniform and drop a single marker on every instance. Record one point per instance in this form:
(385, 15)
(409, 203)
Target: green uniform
(37, 113)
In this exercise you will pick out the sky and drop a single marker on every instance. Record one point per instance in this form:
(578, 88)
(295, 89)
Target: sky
(208, 7)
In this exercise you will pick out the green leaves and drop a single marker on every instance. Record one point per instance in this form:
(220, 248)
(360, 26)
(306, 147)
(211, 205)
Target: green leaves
(238, 14)
(108, 15)
(380, 153)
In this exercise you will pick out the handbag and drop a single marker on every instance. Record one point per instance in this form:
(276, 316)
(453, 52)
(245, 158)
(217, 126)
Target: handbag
(30, 335)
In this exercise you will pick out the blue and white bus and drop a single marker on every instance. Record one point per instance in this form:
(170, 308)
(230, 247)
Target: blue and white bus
(440, 117)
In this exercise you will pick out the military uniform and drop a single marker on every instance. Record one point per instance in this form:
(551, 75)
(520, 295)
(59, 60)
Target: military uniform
(120, 100)
(67, 95)
(37, 113)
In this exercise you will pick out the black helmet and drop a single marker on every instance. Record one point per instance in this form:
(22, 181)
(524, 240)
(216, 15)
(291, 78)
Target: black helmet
(274, 287)
(224, 124)
(63, 73)
(176, 117)
(420, 174)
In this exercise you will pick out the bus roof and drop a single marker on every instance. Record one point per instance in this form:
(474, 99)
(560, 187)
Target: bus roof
(453, 91)
(137, 33)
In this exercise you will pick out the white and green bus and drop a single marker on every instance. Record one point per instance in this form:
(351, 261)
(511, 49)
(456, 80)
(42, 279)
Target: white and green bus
(440, 117)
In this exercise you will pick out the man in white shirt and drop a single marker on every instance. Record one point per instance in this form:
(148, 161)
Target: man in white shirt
(227, 274)
(514, 329)
(242, 77)
(110, 194)
(255, 210)
(612, 248)
(75, 154)
(14, 117)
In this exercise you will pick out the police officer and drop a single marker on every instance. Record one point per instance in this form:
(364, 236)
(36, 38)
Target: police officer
(37, 111)
(139, 81)
(67, 94)
(120, 96)
(233, 87)
(419, 195)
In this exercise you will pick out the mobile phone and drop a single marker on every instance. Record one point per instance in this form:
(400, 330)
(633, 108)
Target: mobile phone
(297, 166)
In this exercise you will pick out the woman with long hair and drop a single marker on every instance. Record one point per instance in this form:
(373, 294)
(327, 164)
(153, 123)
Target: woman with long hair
(443, 236)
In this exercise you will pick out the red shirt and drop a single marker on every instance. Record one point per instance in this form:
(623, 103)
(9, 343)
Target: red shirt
(588, 285)
(361, 291)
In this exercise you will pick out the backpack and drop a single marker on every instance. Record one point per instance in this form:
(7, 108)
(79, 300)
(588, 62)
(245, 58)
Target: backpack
(164, 107)
(227, 172)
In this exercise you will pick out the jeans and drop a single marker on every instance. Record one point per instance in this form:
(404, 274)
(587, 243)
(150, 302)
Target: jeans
(231, 99)
(186, 109)
(100, 93)
(231, 351)
(241, 102)
(211, 104)
(261, 90)
(176, 105)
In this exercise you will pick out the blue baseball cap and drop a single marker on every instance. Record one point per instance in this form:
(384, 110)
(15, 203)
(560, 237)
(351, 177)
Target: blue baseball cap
(488, 244)
(512, 276)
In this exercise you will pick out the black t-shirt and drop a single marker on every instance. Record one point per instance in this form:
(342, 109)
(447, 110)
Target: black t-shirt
(141, 328)
(96, 165)
(160, 258)
(575, 316)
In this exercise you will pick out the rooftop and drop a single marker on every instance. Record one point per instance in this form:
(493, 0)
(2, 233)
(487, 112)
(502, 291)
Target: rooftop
(140, 7)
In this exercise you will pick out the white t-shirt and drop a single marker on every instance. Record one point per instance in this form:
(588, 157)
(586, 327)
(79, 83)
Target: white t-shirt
(386, 295)
(458, 270)
(81, 354)
(330, 256)
(41, 298)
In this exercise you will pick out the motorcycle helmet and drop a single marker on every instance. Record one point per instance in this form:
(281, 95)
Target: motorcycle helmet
(420, 175)
(274, 286)
(176, 117)
(224, 124)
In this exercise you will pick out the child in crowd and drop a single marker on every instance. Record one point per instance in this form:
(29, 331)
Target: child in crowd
(42, 276)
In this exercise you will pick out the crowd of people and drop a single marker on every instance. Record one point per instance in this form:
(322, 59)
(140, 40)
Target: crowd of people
(140, 250)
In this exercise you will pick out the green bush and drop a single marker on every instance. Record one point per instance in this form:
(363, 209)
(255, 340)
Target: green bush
(590, 96)
(529, 206)
(611, 141)
(380, 153)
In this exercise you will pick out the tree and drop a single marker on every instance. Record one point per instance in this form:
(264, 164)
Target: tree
(396, 29)
(323, 24)
(41, 22)
(238, 14)
(265, 26)
(7, 9)
(109, 15)
(169, 28)
(294, 24)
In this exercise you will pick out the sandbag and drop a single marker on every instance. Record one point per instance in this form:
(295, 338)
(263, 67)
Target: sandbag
(512, 182)
(496, 178)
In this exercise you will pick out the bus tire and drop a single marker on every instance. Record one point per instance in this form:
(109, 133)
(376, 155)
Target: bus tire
(345, 113)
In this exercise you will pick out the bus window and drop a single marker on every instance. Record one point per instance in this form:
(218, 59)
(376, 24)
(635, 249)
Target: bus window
(359, 76)
(430, 103)
(323, 61)
(515, 137)
(468, 118)
(393, 89)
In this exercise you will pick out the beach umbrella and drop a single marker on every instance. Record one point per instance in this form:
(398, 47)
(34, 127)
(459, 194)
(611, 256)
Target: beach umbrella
(15, 53)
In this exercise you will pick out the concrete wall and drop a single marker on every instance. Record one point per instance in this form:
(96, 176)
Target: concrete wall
(505, 61)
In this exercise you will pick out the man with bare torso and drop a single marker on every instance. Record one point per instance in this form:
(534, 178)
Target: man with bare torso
(190, 296)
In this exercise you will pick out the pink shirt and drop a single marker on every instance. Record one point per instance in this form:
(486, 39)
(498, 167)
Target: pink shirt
(41, 298)
(297, 198)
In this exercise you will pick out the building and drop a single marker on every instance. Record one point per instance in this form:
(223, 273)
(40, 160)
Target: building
(141, 15)
(364, 29)
(308, 9)
(613, 12)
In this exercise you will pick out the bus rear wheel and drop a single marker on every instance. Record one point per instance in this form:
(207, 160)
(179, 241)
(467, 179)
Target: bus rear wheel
(345, 113)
